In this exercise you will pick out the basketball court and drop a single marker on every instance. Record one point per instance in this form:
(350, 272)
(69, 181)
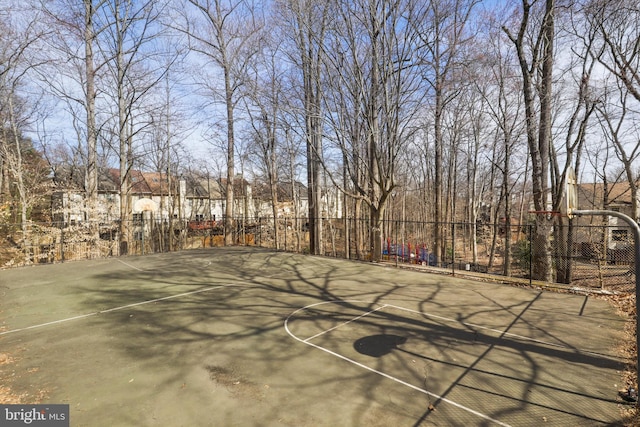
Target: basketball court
(247, 337)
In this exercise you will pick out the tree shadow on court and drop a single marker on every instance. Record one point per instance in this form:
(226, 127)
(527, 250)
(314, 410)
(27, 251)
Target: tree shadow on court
(557, 349)
(494, 382)
(378, 345)
(222, 311)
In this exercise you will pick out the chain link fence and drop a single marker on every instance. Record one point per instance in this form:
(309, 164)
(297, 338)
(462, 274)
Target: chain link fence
(588, 256)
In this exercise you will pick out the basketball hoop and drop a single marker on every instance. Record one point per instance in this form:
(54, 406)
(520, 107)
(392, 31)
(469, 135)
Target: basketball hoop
(145, 205)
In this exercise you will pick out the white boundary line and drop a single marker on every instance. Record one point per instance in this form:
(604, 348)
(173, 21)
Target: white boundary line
(142, 269)
(84, 316)
(345, 323)
(506, 334)
(129, 265)
(368, 368)
(109, 310)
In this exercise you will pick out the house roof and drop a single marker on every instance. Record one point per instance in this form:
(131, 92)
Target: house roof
(593, 194)
(141, 182)
(199, 186)
(155, 183)
(262, 191)
(239, 186)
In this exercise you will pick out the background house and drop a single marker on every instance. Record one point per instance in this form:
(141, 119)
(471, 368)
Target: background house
(616, 197)
(192, 197)
(203, 198)
(292, 199)
(69, 204)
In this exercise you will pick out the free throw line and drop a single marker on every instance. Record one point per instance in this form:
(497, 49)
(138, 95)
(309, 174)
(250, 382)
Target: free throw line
(368, 368)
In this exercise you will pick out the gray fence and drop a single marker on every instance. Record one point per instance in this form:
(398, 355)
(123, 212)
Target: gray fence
(583, 256)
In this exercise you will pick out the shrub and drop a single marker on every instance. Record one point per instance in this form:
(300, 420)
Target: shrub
(522, 254)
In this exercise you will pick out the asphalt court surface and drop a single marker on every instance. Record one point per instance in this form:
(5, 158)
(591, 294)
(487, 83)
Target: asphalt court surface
(247, 337)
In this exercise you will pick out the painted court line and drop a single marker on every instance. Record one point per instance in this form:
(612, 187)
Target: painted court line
(95, 313)
(506, 334)
(129, 265)
(368, 368)
(345, 323)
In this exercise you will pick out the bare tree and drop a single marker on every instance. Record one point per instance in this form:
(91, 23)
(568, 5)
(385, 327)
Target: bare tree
(89, 38)
(129, 30)
(616, 22)
(305, 25)
(535, 57)
(73, 43)
(576, 98)
(222, 34)
(444, 30)
(621, 129)
(616, 25)
(165, 146)
(263, 92)
(346, 94)
(374, 98)
(498, 84)
(18, 60)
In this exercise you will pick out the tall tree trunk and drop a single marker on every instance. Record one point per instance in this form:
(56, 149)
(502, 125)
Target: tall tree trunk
(228, 219)
(90, 106)
(538, 129)
(310, 29)
(506, 259)
(542, 257)
(18, 176)
(358, 227)
(124, 141)
(226, 34)
(438, 238)
(345, 209)
(373, 142)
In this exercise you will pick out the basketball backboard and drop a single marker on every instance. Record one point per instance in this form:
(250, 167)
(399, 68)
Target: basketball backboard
(571, 192)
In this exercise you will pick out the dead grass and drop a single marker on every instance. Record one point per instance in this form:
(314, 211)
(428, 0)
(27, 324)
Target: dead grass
(7, 375)
(7, 396)
(236, 383)
(626, 306)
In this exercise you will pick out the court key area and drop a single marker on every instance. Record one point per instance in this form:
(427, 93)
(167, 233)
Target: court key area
(249, 337)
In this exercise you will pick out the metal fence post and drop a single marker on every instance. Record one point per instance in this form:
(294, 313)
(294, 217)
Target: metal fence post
(530, 254)
(453, 249)
(636, 237)
(62, 241)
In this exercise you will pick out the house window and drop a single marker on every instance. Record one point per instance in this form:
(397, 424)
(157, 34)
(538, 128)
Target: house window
(619, 235)
(137, 236)
(199, 217)
(137, 218)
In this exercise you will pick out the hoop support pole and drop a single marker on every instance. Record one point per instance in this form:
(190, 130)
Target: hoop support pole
(636, 238)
